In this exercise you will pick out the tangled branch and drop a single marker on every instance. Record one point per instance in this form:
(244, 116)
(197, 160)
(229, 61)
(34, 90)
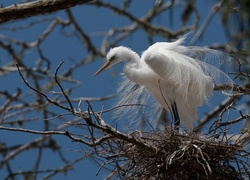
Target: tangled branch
(165, 155)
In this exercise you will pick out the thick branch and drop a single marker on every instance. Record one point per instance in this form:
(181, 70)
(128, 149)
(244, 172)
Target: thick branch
(20, 11)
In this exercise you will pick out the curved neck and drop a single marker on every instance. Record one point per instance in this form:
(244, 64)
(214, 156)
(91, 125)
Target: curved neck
(133, 65)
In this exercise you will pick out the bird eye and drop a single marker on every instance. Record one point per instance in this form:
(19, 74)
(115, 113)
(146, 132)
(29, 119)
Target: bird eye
(112, 58)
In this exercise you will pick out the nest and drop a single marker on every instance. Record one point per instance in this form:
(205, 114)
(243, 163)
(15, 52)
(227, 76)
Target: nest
(172, 155)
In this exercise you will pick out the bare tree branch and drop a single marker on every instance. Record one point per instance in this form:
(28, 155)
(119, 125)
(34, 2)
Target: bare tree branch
(41, 93)
(62, 90)
(25, 10)
(209, 116)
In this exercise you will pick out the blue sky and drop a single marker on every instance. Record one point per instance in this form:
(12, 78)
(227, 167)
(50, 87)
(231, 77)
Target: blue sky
(94, 21)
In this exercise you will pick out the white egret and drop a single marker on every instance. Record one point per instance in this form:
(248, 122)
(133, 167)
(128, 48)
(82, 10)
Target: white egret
(172, 74)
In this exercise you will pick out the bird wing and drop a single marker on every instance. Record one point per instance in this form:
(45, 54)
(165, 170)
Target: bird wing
(188, 86)
(187, 68)
(191, 79)
(180, 72)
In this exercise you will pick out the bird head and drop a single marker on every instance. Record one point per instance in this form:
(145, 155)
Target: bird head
(114, 56)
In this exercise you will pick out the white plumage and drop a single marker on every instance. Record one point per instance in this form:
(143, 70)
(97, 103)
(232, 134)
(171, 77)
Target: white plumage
(172, 74)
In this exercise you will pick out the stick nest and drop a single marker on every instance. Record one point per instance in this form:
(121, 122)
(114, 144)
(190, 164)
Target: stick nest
(172, 155)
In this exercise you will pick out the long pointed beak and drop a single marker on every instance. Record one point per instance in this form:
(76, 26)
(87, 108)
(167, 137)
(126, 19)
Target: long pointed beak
(105, 66)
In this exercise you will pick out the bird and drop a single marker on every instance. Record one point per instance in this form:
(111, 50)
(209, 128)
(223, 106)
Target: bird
(177, 76)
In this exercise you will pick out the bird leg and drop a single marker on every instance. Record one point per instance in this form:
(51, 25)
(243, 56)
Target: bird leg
(176, 116)
(174, 110)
